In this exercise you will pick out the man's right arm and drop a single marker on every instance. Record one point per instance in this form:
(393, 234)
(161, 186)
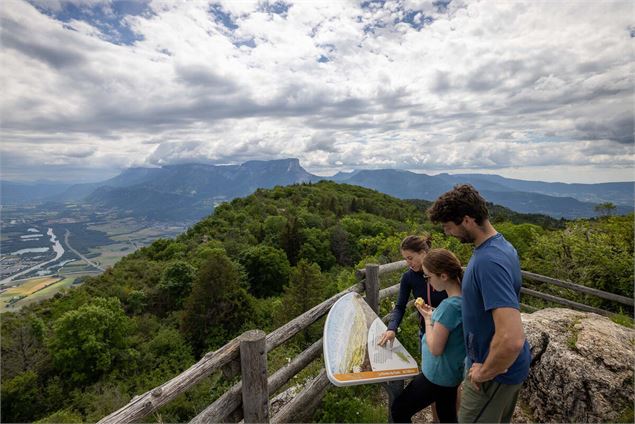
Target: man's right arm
(506, 345)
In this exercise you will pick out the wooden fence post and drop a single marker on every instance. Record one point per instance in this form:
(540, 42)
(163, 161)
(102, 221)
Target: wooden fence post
(372, 286)
(393, 388)
(253, 367)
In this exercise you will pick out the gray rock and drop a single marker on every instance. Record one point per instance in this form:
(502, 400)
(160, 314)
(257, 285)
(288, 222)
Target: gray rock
(582, 367)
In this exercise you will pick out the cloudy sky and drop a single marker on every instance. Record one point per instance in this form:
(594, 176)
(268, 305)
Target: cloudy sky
(533, 90)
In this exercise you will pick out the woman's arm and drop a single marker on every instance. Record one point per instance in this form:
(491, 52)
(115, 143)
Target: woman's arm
(400, 307)
(436, 337)
(397, 313)
(437, 334)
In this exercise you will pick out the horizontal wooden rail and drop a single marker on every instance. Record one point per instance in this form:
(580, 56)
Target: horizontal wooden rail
(150, 401)
(229, 403)
(570, 303)
(383, 269)
(389, 291)
(395, 266)
(143, 405)
(226, 358)
(304, 404)
(577, 287)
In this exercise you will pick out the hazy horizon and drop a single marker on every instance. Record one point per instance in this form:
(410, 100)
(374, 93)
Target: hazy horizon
(501, 173)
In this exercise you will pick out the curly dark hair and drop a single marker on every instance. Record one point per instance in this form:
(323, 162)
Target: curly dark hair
(454, 205)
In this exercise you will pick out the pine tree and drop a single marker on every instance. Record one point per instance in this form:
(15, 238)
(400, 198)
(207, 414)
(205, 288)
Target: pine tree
(217, 306)
(305, 290)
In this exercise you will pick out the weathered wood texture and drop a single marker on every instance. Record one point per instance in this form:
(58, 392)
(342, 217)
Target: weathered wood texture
(230, 401)
(583, 289)
(304, 404)
(253, 368)
(293, 327)
(383, 269)
(570, 303)
(372, 286)
(141, 406)
(227, 357)
(389, 291)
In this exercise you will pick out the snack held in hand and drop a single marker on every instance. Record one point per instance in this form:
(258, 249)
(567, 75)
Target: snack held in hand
(419, 301)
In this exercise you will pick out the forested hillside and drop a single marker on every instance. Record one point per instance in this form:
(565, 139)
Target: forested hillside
(256, 262)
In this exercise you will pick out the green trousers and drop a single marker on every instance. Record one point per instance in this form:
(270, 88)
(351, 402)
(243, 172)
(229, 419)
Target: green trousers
(493, 403)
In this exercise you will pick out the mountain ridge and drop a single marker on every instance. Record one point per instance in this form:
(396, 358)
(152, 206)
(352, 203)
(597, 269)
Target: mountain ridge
(193, 189)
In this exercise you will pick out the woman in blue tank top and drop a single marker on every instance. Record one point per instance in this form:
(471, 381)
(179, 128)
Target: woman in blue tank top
(442, 347)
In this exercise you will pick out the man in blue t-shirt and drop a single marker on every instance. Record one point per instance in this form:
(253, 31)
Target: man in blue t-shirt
(498, 355)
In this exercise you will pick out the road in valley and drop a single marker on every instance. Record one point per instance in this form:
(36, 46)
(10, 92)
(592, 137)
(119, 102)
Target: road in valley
(84, 258)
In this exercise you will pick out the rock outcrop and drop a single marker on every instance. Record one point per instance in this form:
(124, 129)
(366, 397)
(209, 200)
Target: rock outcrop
(582, 367)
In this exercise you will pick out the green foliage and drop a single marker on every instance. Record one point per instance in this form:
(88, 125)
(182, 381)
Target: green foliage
(175, 285)
(136, 302)
(91, 340)
(605, 209)
(521, 236)
(298, 245)
(21, 397)
(164, 250)
(62, 416)
(166, 351)
(596, 254)
(22, 344)
(267, 270)
(217, 305)
(305, 290)
(316, 248)
(627, 415)
(357, 404)
(623, 319)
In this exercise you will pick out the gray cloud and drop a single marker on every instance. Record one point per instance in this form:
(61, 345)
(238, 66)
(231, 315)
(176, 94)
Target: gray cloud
(52, 51)
(617, 128)
(475, 86)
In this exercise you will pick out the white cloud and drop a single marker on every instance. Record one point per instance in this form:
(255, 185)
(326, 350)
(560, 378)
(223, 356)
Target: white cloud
(480, 85)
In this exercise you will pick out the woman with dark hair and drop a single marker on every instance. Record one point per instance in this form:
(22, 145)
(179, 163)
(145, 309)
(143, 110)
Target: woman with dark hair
(442, 346)
(413, 282)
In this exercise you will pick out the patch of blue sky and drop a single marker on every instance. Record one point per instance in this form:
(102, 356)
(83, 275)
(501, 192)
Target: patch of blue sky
(278, 7)
(442, 5)
(108, 18)
(370, 28)
(323, 59)
(416, 19)
(251, 43)
(372, 4)
(220, 15)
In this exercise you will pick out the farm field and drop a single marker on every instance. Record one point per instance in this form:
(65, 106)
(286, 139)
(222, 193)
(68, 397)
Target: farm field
(46, 293)
(118, 227)
(32, 290)
(82, 231)
(108, 255)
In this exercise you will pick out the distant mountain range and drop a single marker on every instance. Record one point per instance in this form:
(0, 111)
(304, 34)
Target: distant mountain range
(191, 191)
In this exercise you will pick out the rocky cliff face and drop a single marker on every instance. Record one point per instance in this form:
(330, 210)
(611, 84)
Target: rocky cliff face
(582, 367)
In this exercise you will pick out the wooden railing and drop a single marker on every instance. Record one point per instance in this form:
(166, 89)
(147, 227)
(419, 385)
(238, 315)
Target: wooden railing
(247, 355)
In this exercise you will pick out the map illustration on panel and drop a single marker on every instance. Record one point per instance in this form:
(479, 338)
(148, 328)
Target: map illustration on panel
(351, 353)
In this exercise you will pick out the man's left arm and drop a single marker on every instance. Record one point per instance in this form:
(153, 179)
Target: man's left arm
(506, 345)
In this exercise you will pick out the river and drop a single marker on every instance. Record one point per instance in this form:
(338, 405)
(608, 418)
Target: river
(57, 248)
